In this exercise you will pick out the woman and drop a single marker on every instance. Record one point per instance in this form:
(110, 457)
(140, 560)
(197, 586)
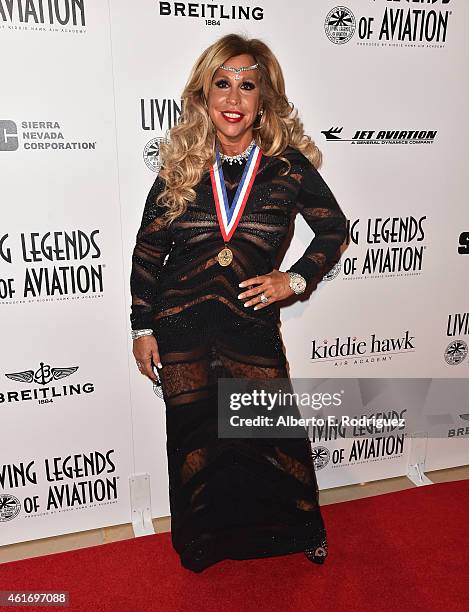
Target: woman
(234, 172)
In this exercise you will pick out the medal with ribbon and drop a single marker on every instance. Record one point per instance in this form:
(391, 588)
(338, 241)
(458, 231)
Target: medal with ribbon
(229, 215)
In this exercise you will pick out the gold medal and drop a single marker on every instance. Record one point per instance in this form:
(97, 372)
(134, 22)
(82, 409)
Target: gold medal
(228, 214)
(225, 256)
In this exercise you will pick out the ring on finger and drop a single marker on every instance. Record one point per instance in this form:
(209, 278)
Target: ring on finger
(264, 298)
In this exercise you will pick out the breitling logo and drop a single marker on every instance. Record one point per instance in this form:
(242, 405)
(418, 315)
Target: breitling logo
(43, 375)
(46, 392)
(459, 431)
(210, 11)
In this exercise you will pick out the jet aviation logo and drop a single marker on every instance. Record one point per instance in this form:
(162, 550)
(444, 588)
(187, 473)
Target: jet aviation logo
(43, 375)
(382, 136)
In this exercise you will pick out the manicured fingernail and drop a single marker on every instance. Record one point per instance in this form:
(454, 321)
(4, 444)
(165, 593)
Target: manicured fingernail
(239, 296)
(159, 364)
(255, 308)
(241, 285)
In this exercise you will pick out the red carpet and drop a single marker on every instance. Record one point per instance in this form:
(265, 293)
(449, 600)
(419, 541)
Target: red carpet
(399, 551)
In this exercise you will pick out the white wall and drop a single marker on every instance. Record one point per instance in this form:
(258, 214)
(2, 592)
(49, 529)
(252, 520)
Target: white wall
(91, 79)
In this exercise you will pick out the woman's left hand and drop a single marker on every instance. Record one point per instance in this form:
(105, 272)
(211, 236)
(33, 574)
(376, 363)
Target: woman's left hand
(275, 285)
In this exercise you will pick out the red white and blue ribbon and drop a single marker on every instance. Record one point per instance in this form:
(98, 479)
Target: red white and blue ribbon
(229, 215)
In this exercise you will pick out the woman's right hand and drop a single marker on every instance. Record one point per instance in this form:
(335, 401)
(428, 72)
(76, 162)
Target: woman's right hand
(145, 350)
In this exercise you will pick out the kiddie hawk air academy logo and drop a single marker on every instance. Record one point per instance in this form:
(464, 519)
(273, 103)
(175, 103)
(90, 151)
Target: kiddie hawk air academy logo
(352, 350)
(424, 24)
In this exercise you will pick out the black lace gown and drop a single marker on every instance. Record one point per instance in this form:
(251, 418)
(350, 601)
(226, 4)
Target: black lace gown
(231, 498)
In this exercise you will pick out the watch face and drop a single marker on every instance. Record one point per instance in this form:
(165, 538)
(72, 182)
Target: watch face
(299, 285)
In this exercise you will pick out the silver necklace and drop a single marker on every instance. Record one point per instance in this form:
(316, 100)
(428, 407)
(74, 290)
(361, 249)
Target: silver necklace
(238, 158)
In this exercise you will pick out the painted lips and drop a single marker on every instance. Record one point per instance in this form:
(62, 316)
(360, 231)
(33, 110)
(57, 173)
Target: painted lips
(232, 117)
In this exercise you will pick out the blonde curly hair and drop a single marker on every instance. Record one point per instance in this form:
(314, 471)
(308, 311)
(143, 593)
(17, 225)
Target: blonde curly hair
(189, 150)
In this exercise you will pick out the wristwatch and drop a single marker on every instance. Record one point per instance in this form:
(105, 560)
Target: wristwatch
(297, 282)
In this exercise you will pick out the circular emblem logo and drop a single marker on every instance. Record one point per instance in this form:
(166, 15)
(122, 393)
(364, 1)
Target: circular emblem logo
(9, 507)
(333, 272)
(340, 25)
(455, 352)
(151, 154)
(321, 456)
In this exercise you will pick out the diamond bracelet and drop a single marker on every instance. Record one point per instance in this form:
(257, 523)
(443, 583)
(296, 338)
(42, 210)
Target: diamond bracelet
(136, 333)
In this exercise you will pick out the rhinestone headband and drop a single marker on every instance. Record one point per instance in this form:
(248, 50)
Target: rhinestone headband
(240, 69)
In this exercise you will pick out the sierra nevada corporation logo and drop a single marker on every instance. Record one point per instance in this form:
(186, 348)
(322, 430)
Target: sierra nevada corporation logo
(38, 136)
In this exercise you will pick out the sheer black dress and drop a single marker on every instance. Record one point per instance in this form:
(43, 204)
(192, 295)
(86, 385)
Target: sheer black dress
(231, 498)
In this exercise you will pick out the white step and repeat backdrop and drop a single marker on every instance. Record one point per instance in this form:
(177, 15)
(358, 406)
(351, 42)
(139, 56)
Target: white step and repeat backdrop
(88, 90)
